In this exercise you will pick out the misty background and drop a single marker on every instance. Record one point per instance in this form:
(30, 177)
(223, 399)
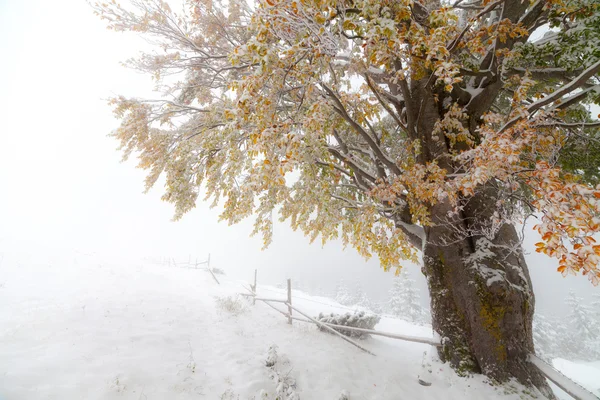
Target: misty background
(63, 188)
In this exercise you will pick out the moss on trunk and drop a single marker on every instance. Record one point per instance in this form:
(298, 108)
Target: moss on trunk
(482, 307)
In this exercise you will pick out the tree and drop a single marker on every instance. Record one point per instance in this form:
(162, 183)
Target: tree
(361, 299)
(343, 296)
(595, 342)
(581, 330)
(397, 126)
(404, 299)
(549, 336)
(595, 305)
(573, 337)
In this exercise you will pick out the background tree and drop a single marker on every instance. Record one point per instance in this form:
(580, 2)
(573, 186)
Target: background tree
(548, 336)
(405, 300)
(343, 295)
(574, 337)
(361, 298)
(581, 338)
(397, 126)
(596, 313)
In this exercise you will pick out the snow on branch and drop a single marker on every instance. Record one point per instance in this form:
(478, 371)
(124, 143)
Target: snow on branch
(575, 84)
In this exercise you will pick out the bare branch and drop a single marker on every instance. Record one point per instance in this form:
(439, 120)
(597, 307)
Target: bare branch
(341, 110)
(582, 125)
(568, 88)
(489, 8)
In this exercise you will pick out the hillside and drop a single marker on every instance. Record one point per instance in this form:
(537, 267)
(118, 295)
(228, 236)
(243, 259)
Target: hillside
(82, 327)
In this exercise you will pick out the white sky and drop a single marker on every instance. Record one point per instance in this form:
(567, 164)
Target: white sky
(62, 185)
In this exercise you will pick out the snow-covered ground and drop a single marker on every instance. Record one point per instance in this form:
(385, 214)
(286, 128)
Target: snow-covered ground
(84, 327)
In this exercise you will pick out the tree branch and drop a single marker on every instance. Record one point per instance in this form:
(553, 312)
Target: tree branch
(489, 8)
(566, 89)
(557, 94)
(340, 109)
(582, 125)
(384, 104)
(546, 73)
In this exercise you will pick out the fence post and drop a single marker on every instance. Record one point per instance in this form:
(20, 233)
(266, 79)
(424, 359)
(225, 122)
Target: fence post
(254, 289)
(289, 300)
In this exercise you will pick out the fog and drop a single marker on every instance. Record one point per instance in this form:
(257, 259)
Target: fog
(63, 187)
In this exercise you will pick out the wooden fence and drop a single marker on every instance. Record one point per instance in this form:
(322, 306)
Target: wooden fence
(189, 264)
(569, 386)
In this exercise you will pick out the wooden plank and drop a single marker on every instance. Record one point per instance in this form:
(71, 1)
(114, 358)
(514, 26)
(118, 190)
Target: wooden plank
(254, 288)
(302, 319)
(331, 330)
(407, 338)
(263, 298)
(289, 300)
(273, 300)
(574, 389)
(282, 312)
(214, 277)
(275, 308)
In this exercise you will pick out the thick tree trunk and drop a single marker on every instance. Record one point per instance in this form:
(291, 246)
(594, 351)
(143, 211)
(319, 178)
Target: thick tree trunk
(482, 300)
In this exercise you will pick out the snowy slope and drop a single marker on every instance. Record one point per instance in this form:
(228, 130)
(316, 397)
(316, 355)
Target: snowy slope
(81, 327)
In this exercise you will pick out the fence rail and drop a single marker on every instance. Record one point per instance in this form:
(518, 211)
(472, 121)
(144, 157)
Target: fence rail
(189, 264)
(570, 387)
(328, 326)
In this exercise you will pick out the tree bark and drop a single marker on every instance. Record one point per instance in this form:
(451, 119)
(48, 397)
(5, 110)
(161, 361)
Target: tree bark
(482, 301)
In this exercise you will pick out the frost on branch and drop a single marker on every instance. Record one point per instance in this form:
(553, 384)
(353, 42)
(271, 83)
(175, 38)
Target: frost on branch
(358, 319)
(354, 121)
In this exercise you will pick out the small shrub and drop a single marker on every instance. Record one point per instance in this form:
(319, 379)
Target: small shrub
(229, 395)
(358, 319)
(344, 395)
(285, 385)
(231, 304)
(271, 356)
